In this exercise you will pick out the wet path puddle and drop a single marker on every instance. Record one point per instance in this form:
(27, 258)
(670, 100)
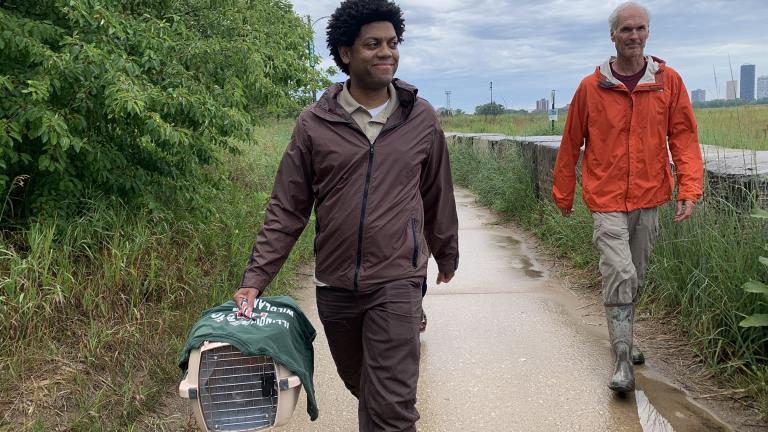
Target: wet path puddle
(519, 259)
(662, 407)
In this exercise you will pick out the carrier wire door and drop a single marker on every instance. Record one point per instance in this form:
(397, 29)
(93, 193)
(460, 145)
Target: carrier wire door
(231, 391)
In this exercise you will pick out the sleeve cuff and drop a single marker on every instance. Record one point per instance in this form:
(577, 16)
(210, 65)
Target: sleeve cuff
(448, 265)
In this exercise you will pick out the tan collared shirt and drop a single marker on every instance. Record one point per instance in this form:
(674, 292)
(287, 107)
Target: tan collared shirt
(370, 125)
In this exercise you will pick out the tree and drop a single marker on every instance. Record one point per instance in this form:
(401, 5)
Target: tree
(491, 108)
(444, 112)
(133, 99)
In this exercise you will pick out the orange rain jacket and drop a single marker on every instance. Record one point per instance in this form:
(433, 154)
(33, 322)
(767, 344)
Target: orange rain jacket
(626, 163)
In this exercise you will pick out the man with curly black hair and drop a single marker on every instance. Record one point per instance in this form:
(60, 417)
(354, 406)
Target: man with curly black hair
(371, 158)
(344, 25)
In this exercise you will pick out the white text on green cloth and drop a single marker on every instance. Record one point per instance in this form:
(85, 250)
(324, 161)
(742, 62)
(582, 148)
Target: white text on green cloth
(259, 319)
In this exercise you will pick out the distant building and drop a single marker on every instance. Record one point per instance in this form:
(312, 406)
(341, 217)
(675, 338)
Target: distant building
(762, 87)
(747, 90)
(541, 105)
(730, 89)
(699, 95)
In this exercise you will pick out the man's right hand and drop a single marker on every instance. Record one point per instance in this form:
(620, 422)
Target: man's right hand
(244, 299)
(566, 212)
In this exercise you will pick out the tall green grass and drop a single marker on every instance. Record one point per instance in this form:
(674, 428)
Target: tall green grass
(696, 270)
(93, 311)
(743, 127)
(534, 124)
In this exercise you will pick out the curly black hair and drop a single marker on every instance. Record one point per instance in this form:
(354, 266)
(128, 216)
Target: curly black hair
(351, 15)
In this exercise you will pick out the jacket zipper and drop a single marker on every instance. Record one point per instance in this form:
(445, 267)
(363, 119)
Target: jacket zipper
(359, 257)
(629, 150)
(361, 226)
(415, 258)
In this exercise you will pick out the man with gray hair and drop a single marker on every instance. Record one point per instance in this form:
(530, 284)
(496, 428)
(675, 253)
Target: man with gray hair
(629, 115)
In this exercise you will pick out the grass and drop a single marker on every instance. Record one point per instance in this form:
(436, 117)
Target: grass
(696, 270)
(743, 127)
(92, 316)
(533, 124)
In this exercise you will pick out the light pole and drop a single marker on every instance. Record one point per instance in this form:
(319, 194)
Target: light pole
(553, 113)
(490, 85)
(311, 50)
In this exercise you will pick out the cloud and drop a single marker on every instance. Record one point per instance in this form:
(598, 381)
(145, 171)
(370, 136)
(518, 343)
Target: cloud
(529, 48)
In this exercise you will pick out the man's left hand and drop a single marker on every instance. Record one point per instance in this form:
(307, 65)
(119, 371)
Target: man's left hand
(684, 210)
(444, 277)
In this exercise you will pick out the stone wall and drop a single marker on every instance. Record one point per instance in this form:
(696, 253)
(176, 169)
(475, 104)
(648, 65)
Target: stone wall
(732, 176)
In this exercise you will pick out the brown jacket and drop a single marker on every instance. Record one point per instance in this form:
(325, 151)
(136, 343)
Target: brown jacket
(380, 208)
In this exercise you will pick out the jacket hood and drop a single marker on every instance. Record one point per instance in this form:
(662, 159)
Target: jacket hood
(329, 108)
(652, 77)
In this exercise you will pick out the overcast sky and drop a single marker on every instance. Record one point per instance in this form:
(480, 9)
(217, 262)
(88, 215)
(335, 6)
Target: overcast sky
(529, 48)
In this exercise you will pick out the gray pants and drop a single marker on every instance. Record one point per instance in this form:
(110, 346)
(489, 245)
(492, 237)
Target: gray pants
(625, 241)
(374, 341)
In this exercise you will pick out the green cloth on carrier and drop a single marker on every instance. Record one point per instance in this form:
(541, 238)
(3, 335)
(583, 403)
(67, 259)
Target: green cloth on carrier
(278, 329)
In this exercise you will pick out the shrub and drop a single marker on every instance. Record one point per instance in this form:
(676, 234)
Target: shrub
(132, 99)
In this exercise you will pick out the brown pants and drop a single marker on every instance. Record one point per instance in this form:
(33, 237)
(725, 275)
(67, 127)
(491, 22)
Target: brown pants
(374, 340)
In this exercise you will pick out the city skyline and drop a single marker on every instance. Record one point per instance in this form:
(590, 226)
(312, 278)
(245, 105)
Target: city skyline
(758, 89)
(734, 89)
(530, 48)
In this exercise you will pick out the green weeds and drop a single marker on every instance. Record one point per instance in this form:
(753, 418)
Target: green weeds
(534, 124)
(743, 127)
(94, 311)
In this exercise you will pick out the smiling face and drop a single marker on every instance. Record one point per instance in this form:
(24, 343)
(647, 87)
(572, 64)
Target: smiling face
(631, 33)
(372, 59)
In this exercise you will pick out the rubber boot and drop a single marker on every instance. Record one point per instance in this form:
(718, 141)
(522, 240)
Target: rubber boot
(620, 332)
(637, 356)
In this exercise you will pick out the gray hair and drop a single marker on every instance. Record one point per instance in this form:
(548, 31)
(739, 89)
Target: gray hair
(613, 19)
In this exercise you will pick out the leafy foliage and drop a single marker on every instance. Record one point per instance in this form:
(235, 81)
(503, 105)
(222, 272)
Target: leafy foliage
(491, 108)
(757, 287)
(97, 312)
(133, 99)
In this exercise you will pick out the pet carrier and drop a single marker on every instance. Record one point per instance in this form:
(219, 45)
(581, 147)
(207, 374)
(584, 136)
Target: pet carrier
(230, 391)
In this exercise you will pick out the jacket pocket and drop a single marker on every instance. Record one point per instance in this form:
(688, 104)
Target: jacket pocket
(415, 257)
